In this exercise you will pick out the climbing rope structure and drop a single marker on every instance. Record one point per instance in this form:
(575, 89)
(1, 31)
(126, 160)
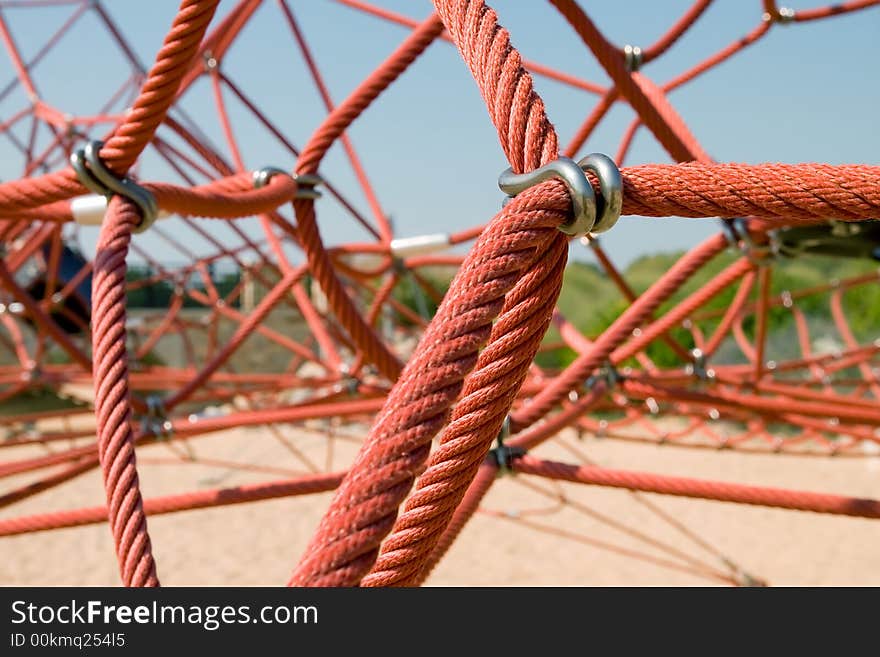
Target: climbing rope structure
(159, 286)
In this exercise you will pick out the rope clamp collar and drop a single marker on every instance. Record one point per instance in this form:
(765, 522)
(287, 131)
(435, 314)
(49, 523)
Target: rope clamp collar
(633, 58)
(305, 182)
(95, 176)
(698, 367)
(607, 374)
(156, 421)
(737, 232)
(592, 214)
(502, 455)
(347, 382)
(783, 15)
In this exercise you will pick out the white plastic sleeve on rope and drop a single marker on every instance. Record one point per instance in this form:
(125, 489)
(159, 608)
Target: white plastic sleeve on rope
(405, 247)
(89, 210)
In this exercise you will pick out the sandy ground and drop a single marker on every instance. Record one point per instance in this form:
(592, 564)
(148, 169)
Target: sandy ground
(258, 543)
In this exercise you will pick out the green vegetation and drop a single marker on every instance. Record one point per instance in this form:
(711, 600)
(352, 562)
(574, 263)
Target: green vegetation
(37, 400)
(411, 294)
(591, 301)
(145, 292)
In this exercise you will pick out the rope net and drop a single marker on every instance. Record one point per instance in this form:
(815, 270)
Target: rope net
(444, 359)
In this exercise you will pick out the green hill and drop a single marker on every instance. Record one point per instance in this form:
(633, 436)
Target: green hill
(591, 301)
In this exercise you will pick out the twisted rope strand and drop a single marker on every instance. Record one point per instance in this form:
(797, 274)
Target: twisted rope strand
(362, 513)
(365, 506)
(128, 523)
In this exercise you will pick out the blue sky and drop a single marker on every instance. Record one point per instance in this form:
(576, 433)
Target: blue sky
(806, 92)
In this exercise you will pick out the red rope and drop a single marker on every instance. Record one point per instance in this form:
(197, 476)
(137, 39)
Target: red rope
(128, 523)
(474, 357)
(521, 237)
(783, 194)
(465, 510)
(782, 498)
(201, 499)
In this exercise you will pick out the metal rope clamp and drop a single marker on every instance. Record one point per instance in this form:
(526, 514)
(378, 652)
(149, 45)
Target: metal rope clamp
(592, 214)
(607, 374)
(698, 367)
(783, 16)
(502, 455)
(305, 182)
(347, 383)
(156, 422)
(737, 232)
(632, 58)
(95, 176)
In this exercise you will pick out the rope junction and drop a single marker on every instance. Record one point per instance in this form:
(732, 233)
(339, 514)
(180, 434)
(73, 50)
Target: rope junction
(468, 399)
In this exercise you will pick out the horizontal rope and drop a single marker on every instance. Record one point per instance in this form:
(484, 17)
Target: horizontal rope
(721, 491)
(155, 506)
(775, 192)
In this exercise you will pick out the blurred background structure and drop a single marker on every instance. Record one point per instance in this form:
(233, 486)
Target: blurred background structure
(746, 342)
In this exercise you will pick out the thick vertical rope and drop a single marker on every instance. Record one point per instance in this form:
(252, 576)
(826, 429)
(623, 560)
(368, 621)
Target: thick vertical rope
(365, 506)
(527, 136)
(128, 523)
(476, 421)
(465, 510)
(520, 238)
